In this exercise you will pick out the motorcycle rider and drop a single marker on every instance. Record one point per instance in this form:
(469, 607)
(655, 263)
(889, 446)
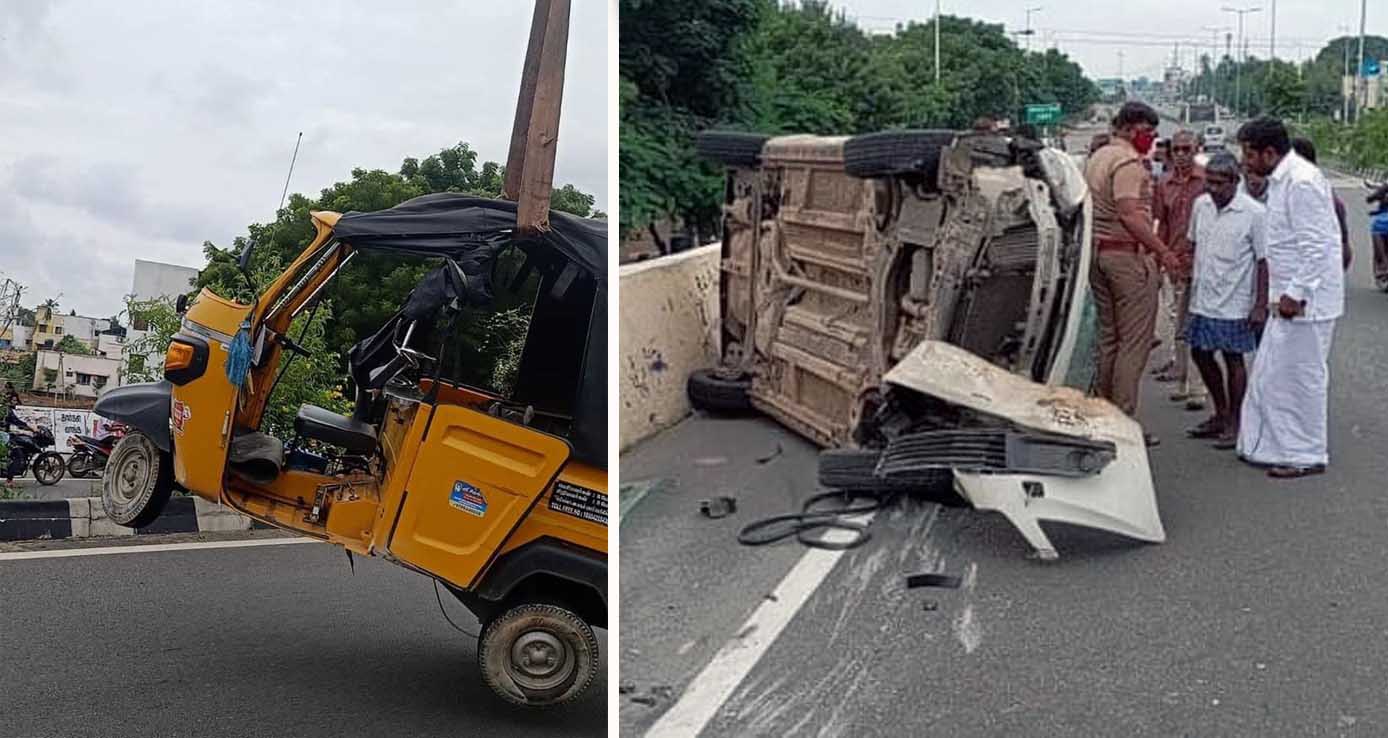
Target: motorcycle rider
(11, 421)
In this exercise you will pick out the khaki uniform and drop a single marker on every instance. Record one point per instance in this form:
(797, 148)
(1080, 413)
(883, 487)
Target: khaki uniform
(1123, 278)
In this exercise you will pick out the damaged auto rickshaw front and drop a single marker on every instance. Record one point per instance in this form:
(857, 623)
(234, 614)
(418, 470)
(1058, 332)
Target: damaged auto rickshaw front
(500, 498)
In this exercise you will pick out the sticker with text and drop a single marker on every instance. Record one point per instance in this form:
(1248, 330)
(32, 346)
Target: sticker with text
(468, 498)
(580, 502)
(180, 415)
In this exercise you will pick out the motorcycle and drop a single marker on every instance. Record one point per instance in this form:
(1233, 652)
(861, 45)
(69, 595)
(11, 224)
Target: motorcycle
(27, 452)
(90, 454)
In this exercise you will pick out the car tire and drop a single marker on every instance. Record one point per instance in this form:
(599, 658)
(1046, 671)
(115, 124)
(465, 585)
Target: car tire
(538, 655)
(855, 470)
(713, 393)
(48, 468)
(731, 148)
(138, 482)
(893, 153)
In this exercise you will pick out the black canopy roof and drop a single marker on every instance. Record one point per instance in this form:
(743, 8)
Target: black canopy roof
(454, 225)
(470, 232)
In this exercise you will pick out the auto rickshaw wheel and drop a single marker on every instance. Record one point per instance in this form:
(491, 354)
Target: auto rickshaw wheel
(137, 483)
(538, 655)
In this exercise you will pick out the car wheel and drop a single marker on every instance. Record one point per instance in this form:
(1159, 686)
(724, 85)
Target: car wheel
(731, 148)
(892, 153)
(49, 468)
(538, 655)
(138, 482)
(713, 393)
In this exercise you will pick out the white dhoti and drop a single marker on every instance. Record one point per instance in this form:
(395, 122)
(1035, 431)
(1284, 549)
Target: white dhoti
(1283, 421)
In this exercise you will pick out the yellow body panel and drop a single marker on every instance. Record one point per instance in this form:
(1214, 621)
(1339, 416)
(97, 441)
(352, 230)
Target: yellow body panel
(475, 477)
(202, 408)
(546, 522)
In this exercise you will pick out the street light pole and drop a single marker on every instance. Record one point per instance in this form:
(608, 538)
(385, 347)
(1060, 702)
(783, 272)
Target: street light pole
(1359, 73)
(1344, 94)
(1243, 53)
(1272, 41)
(1036, 9)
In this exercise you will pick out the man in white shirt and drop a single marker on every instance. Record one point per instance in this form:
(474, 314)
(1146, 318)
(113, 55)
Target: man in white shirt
(1284, 419)
(1229, 286)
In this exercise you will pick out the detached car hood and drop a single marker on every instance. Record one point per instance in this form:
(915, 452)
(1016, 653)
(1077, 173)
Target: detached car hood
(1119, 498)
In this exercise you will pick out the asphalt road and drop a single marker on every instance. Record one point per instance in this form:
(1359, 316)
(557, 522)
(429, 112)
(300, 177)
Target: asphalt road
(1264, 614)
(275, 641)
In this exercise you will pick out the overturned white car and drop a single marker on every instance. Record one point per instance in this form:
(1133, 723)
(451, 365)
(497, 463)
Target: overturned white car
(921, 298)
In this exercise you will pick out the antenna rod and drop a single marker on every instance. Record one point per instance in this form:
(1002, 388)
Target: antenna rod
(291, 173)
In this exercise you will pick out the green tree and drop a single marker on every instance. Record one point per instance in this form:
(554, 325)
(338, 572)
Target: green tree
(71, 345)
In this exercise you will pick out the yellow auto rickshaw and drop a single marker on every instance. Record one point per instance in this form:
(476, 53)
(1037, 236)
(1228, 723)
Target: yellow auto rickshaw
(501, 499)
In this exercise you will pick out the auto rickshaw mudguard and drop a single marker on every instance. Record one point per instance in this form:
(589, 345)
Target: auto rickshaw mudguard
(144, 407)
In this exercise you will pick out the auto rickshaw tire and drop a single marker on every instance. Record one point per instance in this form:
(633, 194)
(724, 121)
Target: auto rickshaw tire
(48, 468)
(855, 470)
(893, 153)
(548, 630)
(138, 482)
(713, 393)
(731, 148)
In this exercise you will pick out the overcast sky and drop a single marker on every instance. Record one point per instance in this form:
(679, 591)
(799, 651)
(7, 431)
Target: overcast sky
(1093, 33)
(139, 129)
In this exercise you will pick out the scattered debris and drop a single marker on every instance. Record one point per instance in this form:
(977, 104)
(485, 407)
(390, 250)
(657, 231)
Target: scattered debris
(771, 596)
(718, 507)
(626, 688)
(644, 699)
(686, 647)
(930, 605)
(773, 454)
(949, 581)
(711, 461)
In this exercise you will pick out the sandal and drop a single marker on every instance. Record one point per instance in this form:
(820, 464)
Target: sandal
(1295, 472)
(1211, 428)
(1151, 440)
(1194, 405)
(1227, 441)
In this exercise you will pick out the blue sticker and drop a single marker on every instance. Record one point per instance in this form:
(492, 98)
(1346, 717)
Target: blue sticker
(468, 498)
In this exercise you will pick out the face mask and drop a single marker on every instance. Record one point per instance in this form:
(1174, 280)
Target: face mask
(1158, 168)
(1143, 140)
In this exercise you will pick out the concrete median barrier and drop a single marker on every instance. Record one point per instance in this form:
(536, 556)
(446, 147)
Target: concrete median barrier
(669, 328)
(83, 517)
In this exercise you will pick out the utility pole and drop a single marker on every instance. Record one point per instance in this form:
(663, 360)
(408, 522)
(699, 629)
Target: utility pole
(530, 162)
(1214, 65)
(1272, 41)
(1238, 70)
(1036, 9)
(937, 42)
(1359, 73)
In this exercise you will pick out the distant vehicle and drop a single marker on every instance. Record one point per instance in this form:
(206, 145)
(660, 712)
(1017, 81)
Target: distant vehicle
(1212, 138)
(1200, 112)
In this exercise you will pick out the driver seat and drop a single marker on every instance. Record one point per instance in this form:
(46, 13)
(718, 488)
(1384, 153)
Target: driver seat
(336, 430)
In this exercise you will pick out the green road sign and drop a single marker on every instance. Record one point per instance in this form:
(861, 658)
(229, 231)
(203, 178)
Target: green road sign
(1043, 114)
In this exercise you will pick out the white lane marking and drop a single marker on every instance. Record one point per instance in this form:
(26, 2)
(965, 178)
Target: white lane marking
(63, 553)
(720, 678)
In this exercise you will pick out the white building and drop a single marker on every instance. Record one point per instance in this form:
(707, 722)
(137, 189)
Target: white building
(74, 374)
(156, 279)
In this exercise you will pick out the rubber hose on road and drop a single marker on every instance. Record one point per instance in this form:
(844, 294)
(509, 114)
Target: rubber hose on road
(801, 524)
